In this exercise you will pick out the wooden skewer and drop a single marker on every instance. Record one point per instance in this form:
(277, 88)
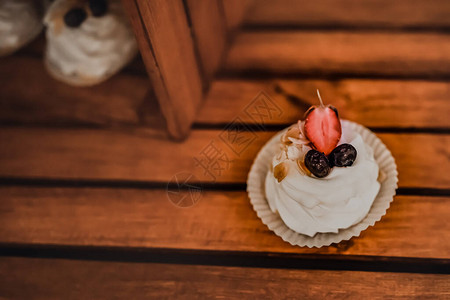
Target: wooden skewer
(320, 98)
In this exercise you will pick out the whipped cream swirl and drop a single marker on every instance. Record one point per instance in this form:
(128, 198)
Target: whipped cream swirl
(98, 48)
(309, 205)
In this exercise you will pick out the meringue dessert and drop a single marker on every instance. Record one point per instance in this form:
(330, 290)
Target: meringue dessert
(87, 41)
(20, 23)
(324, 177)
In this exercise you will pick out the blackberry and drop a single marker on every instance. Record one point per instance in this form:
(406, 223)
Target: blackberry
(75, 17)
(98, 7)
(342, 156)
(317, 163)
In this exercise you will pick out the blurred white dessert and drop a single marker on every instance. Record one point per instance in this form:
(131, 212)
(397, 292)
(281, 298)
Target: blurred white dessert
(20, 23)
(87, 41)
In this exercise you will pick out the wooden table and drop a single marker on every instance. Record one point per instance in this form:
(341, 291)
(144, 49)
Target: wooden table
(87, 173)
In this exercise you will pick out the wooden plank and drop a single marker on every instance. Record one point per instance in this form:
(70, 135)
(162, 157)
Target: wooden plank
(118, 101)
(322, 53)
(123, 99)
(220, 220)
(373, 103)
(236, 12)
(391, 14)
(208, 26)
(70, 279)
(143, 155)
(166, 45)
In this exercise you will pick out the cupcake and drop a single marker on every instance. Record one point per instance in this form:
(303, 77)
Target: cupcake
(20, 23)
(324, 182)
(87, 41)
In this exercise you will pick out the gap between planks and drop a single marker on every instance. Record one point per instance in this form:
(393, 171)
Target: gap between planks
(198, 257)
(150, 185)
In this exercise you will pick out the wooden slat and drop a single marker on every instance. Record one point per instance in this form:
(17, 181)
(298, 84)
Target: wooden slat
(321, 52)
(236, 12)
(166, 45)
(392, 14)
(414, 226)
(373, 103)
(209, 28)
(25, 278)
(123, 99)
(30, 95)
(142, 155)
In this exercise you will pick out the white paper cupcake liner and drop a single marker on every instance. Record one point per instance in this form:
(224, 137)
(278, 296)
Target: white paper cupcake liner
(256, 191)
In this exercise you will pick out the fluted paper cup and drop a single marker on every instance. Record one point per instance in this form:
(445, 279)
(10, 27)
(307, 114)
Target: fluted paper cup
(256, 191)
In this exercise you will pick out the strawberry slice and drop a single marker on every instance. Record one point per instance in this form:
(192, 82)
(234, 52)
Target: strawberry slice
(322, 127)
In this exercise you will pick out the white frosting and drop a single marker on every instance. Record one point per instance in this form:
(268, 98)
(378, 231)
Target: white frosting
(20, 22)
(309, 205)
(98, 48)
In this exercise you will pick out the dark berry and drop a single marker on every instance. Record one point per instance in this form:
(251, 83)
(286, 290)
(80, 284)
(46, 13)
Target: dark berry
(74, 17)
(98, 7)
(342, 156)
(316, 162)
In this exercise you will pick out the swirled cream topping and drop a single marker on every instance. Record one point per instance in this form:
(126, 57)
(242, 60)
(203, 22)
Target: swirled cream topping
(20, 22)
(309, 205)
(99, 47)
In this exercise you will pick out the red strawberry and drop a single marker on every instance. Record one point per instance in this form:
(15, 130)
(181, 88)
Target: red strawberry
(322, 127)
